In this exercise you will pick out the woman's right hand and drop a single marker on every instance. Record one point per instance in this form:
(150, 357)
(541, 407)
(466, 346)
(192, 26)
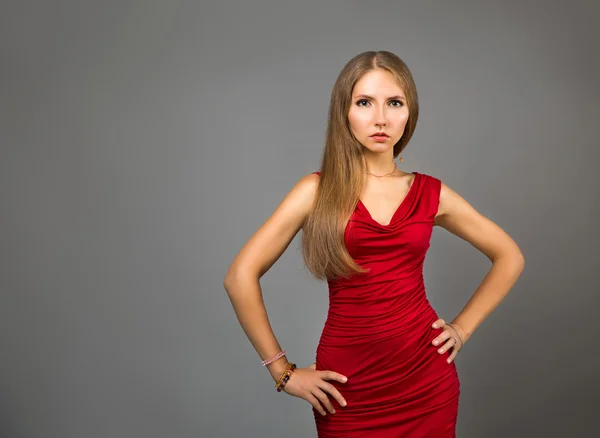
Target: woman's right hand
(312, 386)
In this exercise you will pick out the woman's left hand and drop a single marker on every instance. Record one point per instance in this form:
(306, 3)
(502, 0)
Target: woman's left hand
(448, 339)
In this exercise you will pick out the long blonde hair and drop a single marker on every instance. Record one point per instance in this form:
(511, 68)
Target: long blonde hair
(343, 167)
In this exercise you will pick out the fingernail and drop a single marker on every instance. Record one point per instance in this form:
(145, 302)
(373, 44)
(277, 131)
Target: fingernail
(448, 360)
(434, 325)
(344, 403)
(435, 342)
(345, 379)
(333, 411)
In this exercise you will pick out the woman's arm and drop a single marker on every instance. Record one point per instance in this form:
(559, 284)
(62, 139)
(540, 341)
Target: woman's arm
(458, 217)
(256, 257)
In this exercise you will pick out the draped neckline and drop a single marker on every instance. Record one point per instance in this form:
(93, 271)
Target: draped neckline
(409, 193)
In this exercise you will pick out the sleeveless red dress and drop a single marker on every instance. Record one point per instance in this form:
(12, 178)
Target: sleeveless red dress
(378, 330)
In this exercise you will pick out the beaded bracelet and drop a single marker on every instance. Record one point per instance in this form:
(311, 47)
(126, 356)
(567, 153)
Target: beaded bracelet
(289, 366)
(273, 359)
(285, 376)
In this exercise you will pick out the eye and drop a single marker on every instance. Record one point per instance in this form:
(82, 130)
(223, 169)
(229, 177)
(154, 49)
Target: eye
(397, 103)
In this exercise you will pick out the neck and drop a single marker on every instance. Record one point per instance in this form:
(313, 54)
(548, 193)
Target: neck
(379, 164)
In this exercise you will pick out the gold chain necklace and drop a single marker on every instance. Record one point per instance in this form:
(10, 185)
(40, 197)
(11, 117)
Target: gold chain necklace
(387, 174)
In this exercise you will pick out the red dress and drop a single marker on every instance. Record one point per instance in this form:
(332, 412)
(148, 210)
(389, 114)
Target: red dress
(378, 330)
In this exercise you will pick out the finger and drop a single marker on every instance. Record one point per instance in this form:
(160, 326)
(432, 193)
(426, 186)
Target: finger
(324, 399)
(315, 403)
(455, 333)
(447, 346)
(332, 375)
(439, 339)
(439, 323)
(452, 355)
(329, 388)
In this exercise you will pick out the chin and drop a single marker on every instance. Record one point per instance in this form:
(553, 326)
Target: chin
(377, 150)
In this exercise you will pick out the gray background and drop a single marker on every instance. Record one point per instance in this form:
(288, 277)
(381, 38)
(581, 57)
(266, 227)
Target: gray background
(143, 142)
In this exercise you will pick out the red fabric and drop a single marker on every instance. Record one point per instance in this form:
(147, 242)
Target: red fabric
(378, 330)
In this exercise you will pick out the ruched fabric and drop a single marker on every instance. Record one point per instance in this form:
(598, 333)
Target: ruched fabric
(378, 330)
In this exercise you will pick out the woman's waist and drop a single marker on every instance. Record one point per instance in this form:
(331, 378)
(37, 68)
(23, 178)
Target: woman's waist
(343, 330)
(377, 280)
(363, 309)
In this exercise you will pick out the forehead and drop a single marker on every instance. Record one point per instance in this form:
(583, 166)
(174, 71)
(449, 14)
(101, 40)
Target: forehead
(377, 82)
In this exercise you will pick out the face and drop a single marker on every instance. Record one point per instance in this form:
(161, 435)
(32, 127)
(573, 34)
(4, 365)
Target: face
(378, 105)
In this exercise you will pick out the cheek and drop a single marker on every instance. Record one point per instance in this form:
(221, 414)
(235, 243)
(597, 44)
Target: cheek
(402, 118)
(358, 122)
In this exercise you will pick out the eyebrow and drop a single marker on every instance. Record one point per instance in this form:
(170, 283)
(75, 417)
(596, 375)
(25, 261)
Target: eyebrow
(366, 96)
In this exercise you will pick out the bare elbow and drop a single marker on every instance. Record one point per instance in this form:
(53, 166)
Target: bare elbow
(233, 278)
(521, 260)
(517, 260)
(513, 257)
(229, 280)
(232, 274)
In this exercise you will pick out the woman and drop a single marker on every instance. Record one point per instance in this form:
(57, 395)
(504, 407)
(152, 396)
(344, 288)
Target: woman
(385, 360)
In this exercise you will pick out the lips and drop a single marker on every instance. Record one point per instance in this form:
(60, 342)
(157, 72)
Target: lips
(380, 134)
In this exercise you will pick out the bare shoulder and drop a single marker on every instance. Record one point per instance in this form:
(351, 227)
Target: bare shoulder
(303, 194)
(299, 200)
(268, 243)
(459, 217)
(453, 207)
(308, 184)
(448, 199)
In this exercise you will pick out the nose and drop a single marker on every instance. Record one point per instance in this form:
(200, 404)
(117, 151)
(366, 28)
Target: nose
(380, 119)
